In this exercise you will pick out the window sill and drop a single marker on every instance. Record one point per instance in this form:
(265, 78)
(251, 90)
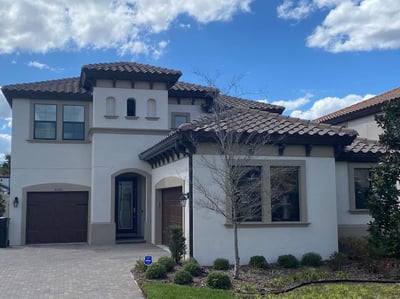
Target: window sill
(111, 116)
(131, 117)
(359, 211)
(271, 224)
(152, 117)
(58, 141)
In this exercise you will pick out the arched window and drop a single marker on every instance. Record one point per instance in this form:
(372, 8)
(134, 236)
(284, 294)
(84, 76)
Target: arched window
(130, 107)
(110, 106)
(151, 108)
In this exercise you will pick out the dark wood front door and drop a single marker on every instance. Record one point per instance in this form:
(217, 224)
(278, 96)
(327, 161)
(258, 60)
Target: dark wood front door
(56, 217)
(171, 211)
(126, 207)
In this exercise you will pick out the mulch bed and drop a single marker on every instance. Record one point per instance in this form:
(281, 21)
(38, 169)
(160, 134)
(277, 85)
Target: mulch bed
(277, 280)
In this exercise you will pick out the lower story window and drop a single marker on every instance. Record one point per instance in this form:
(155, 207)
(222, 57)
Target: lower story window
(285, 193)
(249, 201)
(362, 187)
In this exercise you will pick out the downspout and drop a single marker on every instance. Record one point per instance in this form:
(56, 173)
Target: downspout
(190, 204)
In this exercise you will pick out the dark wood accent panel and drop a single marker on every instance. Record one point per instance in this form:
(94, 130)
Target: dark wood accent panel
(56, 217)
(171, 211)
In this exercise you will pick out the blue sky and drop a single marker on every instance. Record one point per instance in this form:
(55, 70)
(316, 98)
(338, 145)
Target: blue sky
(312, 56)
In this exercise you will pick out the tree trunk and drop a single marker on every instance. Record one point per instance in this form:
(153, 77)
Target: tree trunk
(236, 245)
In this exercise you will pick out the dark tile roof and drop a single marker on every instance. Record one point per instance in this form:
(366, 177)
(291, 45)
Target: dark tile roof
(362, 150)
(235, 102)
(367, 107)
(281, 129)
(185, 86)
(127, 71)
(365, 146)
(251, 120)
(130, 67)
(52, 89)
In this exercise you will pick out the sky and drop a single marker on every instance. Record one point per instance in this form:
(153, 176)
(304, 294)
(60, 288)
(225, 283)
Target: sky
(311, 56)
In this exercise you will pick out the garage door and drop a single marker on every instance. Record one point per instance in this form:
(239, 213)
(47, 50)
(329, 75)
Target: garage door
(56, 217)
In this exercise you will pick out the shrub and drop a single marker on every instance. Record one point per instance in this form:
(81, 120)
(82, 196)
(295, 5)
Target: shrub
(190, 260)
(221, 264)
(177, 244)
(311, 259)
(354, 248)
(168, 263)
(288, 261)
(258, 261)
(140, 267)
(2, 205)
(310, 275)
(156, 270)
(337, 260)
(219, 280)
(183, 277)
(193, 268)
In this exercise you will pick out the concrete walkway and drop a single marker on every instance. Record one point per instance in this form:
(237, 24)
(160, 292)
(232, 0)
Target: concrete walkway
(71, 271)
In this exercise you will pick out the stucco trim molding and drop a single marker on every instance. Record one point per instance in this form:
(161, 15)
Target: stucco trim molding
(93, 131)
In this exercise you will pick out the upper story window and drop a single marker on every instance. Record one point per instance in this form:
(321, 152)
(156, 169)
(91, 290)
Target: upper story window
(45, 124)
(110, 106)
(65, 121)
(360, 186)
(130, 107)
(178, 118)
(73, 122)
(151, 108)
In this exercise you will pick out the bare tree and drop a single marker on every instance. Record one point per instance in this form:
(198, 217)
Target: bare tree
(232, 171)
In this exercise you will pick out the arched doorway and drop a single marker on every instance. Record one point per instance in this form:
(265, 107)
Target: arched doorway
(130, 195)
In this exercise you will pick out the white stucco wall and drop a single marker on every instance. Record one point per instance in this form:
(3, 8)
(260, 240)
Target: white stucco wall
(212, 239)
(35, 163)
(343, 198)
(100, 94)
(365, 126)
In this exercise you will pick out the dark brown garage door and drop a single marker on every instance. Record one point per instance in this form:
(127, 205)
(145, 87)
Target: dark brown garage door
(56, 217)
(171, 211)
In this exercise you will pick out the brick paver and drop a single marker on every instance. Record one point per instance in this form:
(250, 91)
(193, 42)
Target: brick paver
(71, 271)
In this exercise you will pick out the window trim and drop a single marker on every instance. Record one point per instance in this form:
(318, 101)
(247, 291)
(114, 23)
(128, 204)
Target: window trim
(175, 114)
(266, 217)
(59, 122)
(352, 195)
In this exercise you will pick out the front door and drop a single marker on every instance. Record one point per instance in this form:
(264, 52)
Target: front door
(126, 207)
(171, 211)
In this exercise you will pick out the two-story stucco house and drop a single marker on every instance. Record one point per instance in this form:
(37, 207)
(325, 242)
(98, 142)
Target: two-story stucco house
(104, 158)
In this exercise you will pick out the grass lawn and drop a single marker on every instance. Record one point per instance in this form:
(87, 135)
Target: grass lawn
(155, 290)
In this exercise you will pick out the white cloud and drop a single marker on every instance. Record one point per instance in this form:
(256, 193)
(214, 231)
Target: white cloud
(129, 26)
(294, 104)
(38, 65)
(350, 25)
(329, 104)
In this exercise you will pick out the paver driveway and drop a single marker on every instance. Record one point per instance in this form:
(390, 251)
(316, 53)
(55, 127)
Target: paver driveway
(71, 271)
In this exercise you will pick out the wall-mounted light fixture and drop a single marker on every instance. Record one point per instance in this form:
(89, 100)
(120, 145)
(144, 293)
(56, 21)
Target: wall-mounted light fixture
(183, 199)
(15, 202)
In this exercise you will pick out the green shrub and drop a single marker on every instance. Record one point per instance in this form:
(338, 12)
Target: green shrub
(337, 260)
(156, 270)
(221, 264)
(219, 280)
(2, 205)
(311, 259)
(310, 275)
(258, 261)
(140, 267)
(168, 263)
(190, 260)
(177, 244)
(193, 268)
(354, 248)
(183, 277)
(288, 261)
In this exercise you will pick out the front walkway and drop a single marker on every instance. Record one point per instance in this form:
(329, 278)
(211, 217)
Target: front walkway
(71, 271)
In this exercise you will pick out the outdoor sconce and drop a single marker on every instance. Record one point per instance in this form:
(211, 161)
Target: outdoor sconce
(183, 199)
(15, 202)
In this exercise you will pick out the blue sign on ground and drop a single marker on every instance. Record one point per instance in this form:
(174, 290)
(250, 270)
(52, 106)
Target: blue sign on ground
(148, 259)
